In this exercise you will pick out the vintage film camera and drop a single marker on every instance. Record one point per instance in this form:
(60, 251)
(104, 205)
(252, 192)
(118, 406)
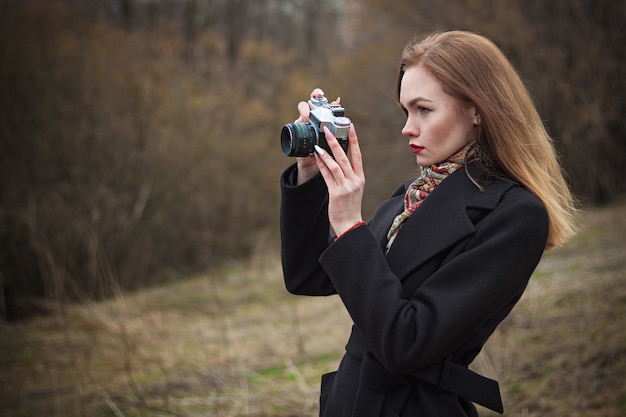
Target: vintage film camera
(299, 139)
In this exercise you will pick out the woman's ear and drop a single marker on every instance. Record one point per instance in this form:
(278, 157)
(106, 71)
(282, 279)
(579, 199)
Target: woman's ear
(472, 111)
(476, 118)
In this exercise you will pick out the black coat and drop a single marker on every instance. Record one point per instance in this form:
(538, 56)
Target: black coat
(423, 311)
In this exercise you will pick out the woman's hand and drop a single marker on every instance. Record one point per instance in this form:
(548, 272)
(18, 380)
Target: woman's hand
(345, 180)
(307, 168)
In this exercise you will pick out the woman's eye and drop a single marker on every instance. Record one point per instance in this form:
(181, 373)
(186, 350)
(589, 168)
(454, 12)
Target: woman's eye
(422, 110)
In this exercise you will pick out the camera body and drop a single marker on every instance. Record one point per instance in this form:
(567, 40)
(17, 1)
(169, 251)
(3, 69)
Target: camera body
(299, 139)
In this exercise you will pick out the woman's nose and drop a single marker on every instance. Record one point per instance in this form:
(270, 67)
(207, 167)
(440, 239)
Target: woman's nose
(410, 129)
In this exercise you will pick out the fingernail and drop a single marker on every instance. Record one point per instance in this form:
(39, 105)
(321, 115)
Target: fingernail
(319, 150)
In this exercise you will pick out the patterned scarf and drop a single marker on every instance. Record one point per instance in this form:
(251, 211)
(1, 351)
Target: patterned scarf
(425, 184)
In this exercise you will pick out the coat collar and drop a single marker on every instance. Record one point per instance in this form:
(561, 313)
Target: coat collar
(443, 218)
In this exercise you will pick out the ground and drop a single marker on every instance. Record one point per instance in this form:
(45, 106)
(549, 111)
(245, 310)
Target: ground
(234, 343)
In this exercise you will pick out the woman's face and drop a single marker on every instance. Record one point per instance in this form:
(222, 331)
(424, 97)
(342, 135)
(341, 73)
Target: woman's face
(437, 125)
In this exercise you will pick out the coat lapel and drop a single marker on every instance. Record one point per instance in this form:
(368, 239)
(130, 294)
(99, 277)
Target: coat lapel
(442, 219)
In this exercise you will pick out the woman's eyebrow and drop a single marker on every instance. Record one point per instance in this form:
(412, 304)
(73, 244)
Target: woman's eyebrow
(417, 100)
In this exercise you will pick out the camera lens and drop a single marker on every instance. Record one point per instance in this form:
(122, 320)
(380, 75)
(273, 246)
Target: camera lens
(298, 139)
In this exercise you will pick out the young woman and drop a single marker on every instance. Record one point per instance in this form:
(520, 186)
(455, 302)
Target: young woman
(428, 279)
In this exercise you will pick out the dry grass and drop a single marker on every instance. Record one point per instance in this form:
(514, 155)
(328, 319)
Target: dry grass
(235, 344)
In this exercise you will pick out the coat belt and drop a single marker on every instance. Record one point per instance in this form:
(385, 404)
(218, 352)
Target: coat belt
(444, 376)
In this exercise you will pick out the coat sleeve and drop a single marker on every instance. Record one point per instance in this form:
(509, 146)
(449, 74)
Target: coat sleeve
(305, 234)
(469, 292)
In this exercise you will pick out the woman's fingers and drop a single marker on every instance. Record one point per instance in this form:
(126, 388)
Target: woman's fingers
(340, 157)
(355, 151)
(324, 162)
(317, 93)
(304, 109)
(345, 182)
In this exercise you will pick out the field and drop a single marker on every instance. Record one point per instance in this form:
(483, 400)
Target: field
(234, 343)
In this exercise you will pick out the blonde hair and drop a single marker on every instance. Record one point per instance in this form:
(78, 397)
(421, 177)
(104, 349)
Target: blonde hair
(472, 69)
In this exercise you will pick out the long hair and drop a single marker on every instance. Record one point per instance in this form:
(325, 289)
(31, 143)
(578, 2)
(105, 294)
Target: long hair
(472, 69)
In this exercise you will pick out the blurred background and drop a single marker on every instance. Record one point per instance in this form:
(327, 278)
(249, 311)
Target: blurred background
(139, 139)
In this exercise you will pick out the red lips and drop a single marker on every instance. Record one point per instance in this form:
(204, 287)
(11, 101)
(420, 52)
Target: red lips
(416, 149)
